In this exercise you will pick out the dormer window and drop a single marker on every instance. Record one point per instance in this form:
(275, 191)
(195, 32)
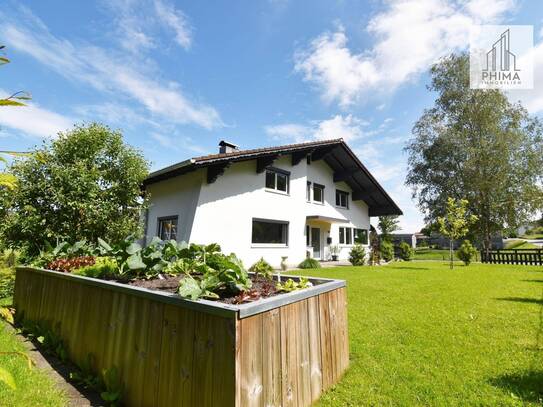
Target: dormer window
(277, 180)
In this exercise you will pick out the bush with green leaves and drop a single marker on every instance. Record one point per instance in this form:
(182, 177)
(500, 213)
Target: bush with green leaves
(262, 268)
(7, 282)
(103, 267)
(406, 251)
(387, 251)
(357, 255)
(309, 263)
(466, 252)
(83, 184)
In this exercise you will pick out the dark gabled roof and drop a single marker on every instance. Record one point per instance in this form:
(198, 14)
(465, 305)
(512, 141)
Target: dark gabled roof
(336, 153)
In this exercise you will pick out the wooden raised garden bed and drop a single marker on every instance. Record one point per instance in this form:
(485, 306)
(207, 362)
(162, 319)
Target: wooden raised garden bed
(279, 351)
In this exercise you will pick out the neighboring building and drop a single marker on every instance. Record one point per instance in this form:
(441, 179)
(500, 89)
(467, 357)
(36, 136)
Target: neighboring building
(294, 200)
(409, 238)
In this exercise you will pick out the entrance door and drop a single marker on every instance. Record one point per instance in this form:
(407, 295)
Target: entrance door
(316, 242)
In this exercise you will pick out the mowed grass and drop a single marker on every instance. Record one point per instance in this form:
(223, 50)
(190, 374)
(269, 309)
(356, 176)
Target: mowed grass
(34, 386)
(421, 334)
(433, 254)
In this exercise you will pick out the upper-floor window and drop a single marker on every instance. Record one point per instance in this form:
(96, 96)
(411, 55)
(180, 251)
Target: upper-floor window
(318, 193)
(345, 235)
(270, 232)
(342, 199)
(361, 236)
(308, 191)
(277, 180)
(167, 228)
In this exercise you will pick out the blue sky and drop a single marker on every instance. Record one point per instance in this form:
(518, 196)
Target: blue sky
(177, 77)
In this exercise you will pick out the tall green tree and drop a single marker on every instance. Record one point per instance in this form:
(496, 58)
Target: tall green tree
(83, 185)
(456, 222)
(388, 225)
(477, 145)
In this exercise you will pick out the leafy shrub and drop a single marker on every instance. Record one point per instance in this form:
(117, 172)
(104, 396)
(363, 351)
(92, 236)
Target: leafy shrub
(10, 257)
(103, 267)
(7, 282)
(309, 263)
(387, 251)
(357, 256)
(291, 285)
(406, 251)
(466, 252)
(68, 265)
(262, 268)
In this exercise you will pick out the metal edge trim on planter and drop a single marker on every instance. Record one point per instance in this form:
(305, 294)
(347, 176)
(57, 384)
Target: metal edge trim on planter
(211, 307)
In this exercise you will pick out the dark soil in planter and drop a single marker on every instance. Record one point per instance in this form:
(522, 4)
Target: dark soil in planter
(261, 288)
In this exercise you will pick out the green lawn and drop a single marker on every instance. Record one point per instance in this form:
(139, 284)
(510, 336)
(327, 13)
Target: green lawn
(519, 244)
(421, 334)
(34, 387)
(432, 254)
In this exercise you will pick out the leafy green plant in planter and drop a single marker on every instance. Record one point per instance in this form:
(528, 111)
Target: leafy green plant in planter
(291, 285)
(309, 263)
(466, 252)
(357, 256)
(387, 250)
(262, 268)
(406, 251)
(103, 267)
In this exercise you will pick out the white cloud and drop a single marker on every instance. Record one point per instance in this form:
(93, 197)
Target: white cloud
(347, 127)
(140, 23)
(288, 131)
(410, 36)
(34, 120)
(118, 75)
(177, 21)
(532, 99)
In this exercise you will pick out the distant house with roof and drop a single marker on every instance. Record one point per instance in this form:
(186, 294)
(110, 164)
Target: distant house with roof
(289, 201)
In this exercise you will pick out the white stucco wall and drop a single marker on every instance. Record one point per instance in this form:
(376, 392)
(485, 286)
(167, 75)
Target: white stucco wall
(223, 211)
(174, 197)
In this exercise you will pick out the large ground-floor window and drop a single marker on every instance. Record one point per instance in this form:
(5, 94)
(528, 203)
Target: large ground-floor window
(267, 231)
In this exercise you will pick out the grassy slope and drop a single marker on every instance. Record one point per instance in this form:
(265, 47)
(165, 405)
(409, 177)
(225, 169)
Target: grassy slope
(421, 334)
(34, 387)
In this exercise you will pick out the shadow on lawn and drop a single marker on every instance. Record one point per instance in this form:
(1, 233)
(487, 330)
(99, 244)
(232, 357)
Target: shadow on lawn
(522, 299)
(532, 281)
(528, 385)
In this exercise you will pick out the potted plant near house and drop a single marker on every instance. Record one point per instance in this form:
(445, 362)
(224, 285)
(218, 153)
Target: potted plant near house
(334, 252)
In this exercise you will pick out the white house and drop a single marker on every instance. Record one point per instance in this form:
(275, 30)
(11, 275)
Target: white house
(294, 200)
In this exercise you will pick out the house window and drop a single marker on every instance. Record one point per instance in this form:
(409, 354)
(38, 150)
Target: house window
(342, 199)
(308, 192)
(270, 232)
(307, 242)
(277, 180)
(361, 236)
(318, 193)
(167, 228)
(345, 235)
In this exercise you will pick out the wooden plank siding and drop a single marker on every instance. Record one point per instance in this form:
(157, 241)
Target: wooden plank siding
(532, 257)
(170, 355)
(289, 356)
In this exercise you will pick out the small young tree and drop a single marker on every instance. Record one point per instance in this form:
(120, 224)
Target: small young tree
(406, 251)
(388, 225)
(456, 222)
(357, 256)
(387, 250)
(466, 252)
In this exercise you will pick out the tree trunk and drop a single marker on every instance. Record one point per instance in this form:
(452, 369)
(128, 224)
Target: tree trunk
(451, 252)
